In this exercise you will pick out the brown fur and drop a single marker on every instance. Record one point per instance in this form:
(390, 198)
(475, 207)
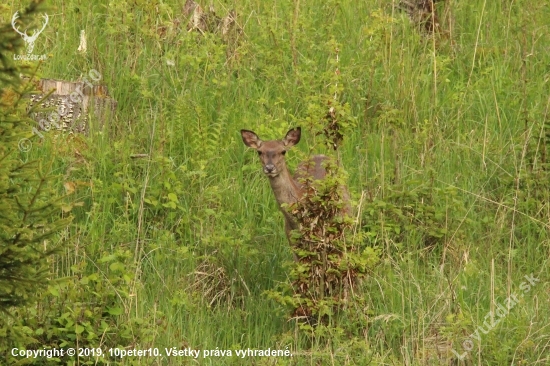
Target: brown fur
(287, 189)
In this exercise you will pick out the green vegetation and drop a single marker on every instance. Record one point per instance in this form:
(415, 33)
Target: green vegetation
(31, 211)
(447, 161)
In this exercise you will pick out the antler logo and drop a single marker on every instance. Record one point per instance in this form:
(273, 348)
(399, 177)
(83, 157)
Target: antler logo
(29, 40)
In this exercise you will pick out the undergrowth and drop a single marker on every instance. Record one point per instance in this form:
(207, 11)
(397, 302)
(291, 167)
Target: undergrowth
(176, 237)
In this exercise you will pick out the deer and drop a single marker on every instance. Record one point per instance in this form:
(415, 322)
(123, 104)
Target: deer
(287, 188)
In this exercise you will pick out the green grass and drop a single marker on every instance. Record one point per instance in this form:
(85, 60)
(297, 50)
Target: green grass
(448, 154)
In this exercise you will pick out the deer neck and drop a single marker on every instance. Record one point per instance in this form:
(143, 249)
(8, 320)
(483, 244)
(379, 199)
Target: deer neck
(285, 189)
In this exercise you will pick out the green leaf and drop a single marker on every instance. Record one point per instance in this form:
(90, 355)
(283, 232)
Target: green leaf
(116, 267)
(54, 290)
(114, 310)
(172, 197)
(170, 205)
(107, 258)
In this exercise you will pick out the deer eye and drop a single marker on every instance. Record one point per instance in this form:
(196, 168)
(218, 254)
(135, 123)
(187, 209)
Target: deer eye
(259, 153)
(284, 152)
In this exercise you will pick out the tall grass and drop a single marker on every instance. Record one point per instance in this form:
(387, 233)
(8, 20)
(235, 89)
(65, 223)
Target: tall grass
(446, 165)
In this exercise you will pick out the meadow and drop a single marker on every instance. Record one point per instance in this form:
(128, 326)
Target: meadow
(176, 240)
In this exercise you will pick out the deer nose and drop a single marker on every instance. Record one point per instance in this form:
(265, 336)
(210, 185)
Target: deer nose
(269, 168)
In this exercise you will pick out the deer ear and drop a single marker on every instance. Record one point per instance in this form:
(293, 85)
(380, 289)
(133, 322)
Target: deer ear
(250, 139)
(292, 137)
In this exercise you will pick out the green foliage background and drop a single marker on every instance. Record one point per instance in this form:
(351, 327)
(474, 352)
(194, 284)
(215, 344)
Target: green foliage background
(447, 164)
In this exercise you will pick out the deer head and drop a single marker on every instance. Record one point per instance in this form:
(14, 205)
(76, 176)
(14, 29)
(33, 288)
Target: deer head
(272, 153)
